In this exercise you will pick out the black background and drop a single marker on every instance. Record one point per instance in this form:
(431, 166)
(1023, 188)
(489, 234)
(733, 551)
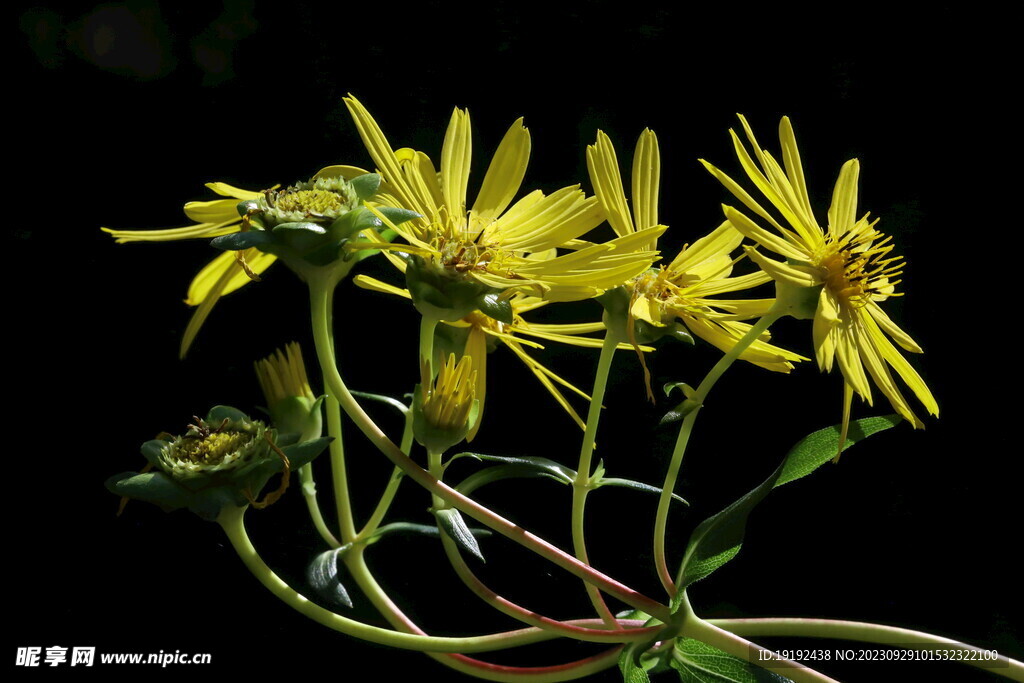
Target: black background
(124, 110)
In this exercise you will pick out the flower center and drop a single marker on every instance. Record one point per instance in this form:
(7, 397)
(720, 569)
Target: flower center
(211, 449)
(857, 267)
(310, 202)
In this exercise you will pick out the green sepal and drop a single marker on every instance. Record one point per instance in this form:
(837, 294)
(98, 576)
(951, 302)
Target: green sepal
(246, 206)
(151, 487)
(718, 538)
(322, 574)
(442, 295)
(550, 467)
(237, 241)
(220, 413)
(395, 215)
(208, 502)
(435, 438)
(497, 307)
(454, 525)
(299, 227)
(152, 449)
(698, 662)
(366, 185)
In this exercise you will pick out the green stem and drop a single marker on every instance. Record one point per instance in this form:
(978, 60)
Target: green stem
(665, 500)
(391, 489)
(309, 493)
(870, 633)
(346, 521)
(231, 520)
(582, 484)
(427, 327)
(336, 386)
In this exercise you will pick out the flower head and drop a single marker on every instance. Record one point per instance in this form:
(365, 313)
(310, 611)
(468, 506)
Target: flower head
(849, 266)
(444, 409)
(463, 252)
(681, 293)
(290, 400)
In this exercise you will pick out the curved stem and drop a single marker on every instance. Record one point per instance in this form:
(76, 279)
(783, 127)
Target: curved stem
(356, 564)
(346, 521)
(309, 493)
(581, 486)
(665, 500)
(870, 633)
(336, 386)
(231, 520)
(391, 489)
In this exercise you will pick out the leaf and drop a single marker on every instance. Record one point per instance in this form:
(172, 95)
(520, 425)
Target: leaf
(635, 485)
(303, 453)
(489, 475)
(322, 574)
(424, 529)
(152, 487)
(395, 215)
(717, 539)
(393, 402)
(366, 185)
(153, 449)
(454, 525)
(630, 667)
(698, 662)
(300, 227)
(558, 471)
(495, 307)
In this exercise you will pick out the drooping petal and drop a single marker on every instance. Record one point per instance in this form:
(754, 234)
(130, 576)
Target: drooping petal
(209, 276)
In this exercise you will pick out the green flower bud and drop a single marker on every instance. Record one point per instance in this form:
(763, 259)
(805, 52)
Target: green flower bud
(290, 400)
(441, 293)
(444, 411)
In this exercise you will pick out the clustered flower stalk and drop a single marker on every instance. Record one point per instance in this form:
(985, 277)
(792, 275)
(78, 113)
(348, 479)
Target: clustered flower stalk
(474, 272)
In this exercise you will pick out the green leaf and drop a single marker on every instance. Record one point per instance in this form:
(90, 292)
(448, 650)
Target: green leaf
(393, 402)
(454, 525)
(629, 664)
(303, 453)
(717, 539)
(237, 241)
(152, 450)
(635, 485)
(489, 475)
(698, 662)
(423, 529)
(322, 574)
(366, 185)
(556, 470)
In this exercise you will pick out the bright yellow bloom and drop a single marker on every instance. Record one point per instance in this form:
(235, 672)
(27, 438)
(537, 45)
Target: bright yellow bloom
(682, 290)
(850, 262)
(489, 241)
(448, 401)
(225, 273)
(482, 333)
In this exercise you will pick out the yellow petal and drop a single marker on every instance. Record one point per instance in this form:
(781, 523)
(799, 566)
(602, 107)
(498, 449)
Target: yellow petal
(209, 277)
(842, 214)
(781, 271)
(225, 190)
(188, 232)
(646, 181)
(215, 211)
(456, 154)
(476, 349)
(375, 285)
(603, 166)
(755, 232)
(505, 174)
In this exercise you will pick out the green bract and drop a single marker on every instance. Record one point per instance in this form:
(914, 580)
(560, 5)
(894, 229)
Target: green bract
(441, 293)
(225, 459)
(616, 303)
(310, 222)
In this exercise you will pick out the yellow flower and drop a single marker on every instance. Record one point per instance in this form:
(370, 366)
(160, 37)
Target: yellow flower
(682, 290)
(489, 242)
(224, 274)
(851, 263)
(476, 335)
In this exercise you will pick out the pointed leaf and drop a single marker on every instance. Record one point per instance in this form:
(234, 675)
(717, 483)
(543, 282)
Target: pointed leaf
(218, 414)
(322, 574)
(152, 487)
(559, 471)
(300, 227)
(698, 662)
(303, 453)
(424, 529)
(496, 307)
(153, 449)
(393, 402)
(629, 664)
(717, 539)
(489, 475)
(635, 485)
(397, 216)
(455, 526)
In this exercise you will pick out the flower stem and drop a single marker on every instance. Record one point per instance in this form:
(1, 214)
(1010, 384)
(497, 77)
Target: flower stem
(870, 633)
(336, 387)
(309, 493)
(427, 327)
(664, 501)
(581, 486)
(231, 520)
(346, 521)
